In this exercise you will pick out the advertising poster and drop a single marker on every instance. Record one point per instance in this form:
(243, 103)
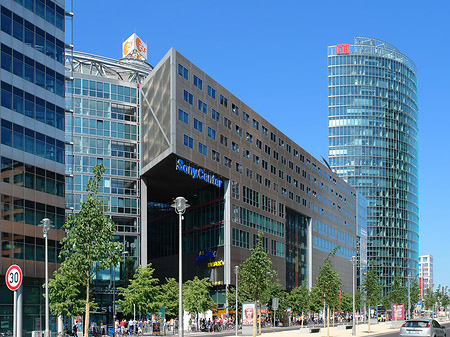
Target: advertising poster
(248, 313)
(397, 311)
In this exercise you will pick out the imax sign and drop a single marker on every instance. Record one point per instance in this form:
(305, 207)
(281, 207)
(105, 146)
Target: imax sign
(198, 173)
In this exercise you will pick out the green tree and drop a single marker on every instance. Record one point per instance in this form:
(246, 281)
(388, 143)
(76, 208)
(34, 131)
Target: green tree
(196, 297)
(429, 299)
(256, 276)
(169, 297)
(299, 300)
(315, 300)
(347, 302)
(371, 290)
(414, 293)
(398, 293)
(87, 248)
(143, 292)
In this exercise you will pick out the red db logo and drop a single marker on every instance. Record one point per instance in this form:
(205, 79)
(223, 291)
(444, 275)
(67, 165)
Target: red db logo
(342, 49)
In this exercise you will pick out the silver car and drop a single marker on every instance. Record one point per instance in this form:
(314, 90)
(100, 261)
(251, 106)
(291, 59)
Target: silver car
(422, 327)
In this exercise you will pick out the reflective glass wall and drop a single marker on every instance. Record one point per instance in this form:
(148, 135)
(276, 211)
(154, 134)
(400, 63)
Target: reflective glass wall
(373, 145)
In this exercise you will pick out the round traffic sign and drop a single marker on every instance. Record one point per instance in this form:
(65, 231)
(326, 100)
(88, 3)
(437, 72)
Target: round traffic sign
(13, 277)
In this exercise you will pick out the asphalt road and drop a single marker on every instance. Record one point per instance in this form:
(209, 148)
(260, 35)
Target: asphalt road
(395, 334)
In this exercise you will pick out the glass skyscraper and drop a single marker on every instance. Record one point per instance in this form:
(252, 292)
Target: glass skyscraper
(373, 133)
(32, 149)
(102, 126)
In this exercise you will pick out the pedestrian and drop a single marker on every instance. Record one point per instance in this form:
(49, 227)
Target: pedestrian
(74, 330)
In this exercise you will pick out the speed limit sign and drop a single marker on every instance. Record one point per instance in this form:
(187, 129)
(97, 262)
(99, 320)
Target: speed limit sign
(14, 277)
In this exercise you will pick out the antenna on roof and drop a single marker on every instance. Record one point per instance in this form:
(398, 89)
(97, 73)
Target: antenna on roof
(328, 165)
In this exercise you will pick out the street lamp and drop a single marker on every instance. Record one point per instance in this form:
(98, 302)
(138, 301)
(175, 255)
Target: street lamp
(354, 291)
(236, 271)
(180, 204)
(46, 225)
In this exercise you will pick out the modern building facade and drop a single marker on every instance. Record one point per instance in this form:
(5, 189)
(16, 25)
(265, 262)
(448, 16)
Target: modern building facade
(426, 273)
(102, 126)
(373, 145)
(32, 148)
(240, 175)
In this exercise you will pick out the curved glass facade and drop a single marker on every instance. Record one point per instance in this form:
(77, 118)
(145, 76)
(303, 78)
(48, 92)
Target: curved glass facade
(373, 132)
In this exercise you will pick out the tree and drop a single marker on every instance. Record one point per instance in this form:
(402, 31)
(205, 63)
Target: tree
(429, 299)
(196, 297)
(371, 289)
(347, 302)
(329, 283)
(414, 293)
(143, 292)
(256, 276)
(87, 248)
(299, 300)
(169, 297)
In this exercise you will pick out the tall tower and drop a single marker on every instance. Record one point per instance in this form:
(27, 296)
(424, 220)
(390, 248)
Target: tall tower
(102, 126)
(373, 132)
(32, 148)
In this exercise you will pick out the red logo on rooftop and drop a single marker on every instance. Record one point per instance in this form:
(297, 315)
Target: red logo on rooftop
(342, 49)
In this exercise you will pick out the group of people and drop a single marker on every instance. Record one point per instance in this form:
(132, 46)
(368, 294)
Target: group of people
(130, 327)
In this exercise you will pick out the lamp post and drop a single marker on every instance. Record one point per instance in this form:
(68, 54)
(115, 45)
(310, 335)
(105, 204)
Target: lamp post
(180, 204)
(236, 271)
(46, 224)
(354, 293)
(409, 297)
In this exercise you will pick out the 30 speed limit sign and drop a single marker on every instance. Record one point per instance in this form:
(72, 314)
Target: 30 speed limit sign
(14, 277)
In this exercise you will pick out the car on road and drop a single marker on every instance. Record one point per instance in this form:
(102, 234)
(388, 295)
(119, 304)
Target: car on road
(422, 327)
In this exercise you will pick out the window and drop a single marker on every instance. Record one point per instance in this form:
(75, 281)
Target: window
(246, 153)
(211, 92)
(234, 109)
(215, 115)
(183, 116)
(256, 124)
(250, 196)
(227, 161)
(223, 101)
(273, 169)
(239, 168)
(188, 97)
(273, 137)
(281, 142)
(235, 190)
(249, 137)
(295, 153)
(215, 156)
(275, 155)
(202, 107)
(224, 140)
(188, 141)
(264, 130)
(235, 147)
(266, 182)
(264, 164)
(258, 178)
(203, 149)
(249, 173)
(227, 122)
(258, 144)
(198, 82)
(198, 125)
(245, 116)
(267, 149)
(288, 148)
(183, 71)
(281, 174)
(211, 133)
(238, 130)
(255, 159)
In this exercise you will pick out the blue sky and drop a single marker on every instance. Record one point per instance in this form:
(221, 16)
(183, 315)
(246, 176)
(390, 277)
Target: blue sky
(273, 56)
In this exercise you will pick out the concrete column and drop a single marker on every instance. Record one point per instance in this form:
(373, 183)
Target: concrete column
(143, 234)
(227, 232)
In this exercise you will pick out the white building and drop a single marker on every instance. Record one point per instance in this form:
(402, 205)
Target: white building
(426, 272)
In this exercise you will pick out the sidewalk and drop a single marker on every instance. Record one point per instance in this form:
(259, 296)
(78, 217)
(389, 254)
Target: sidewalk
(361, 331)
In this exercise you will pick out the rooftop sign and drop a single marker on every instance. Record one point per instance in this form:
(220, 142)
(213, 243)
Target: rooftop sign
(198, 173)
(135, 48)
(342, 49)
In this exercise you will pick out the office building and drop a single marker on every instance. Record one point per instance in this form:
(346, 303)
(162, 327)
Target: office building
(425, 274)
(241, 175)
(32, 149)
(102, 126)
(373, 146)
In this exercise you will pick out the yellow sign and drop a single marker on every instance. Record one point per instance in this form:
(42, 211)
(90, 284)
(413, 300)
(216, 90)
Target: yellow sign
(215, 264)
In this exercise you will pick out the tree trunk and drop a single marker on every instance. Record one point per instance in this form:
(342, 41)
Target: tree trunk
(86, 316)
(259, 316)
(368, 316)
(302, 319)
(328, 321)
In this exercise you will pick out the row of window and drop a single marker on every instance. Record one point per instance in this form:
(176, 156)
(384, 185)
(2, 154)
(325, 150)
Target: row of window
(31, 141)
(114, 167)
(257, 221)
(46, 9)
(23, 30)
(327, 246)
(30, 212)
(241, 238)
(31, 106)
(18, 246)
(29, 176)
(100, 127)
(110, 204)
(107, 147)
(32, 71)
(109, 185)
(105, 90)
